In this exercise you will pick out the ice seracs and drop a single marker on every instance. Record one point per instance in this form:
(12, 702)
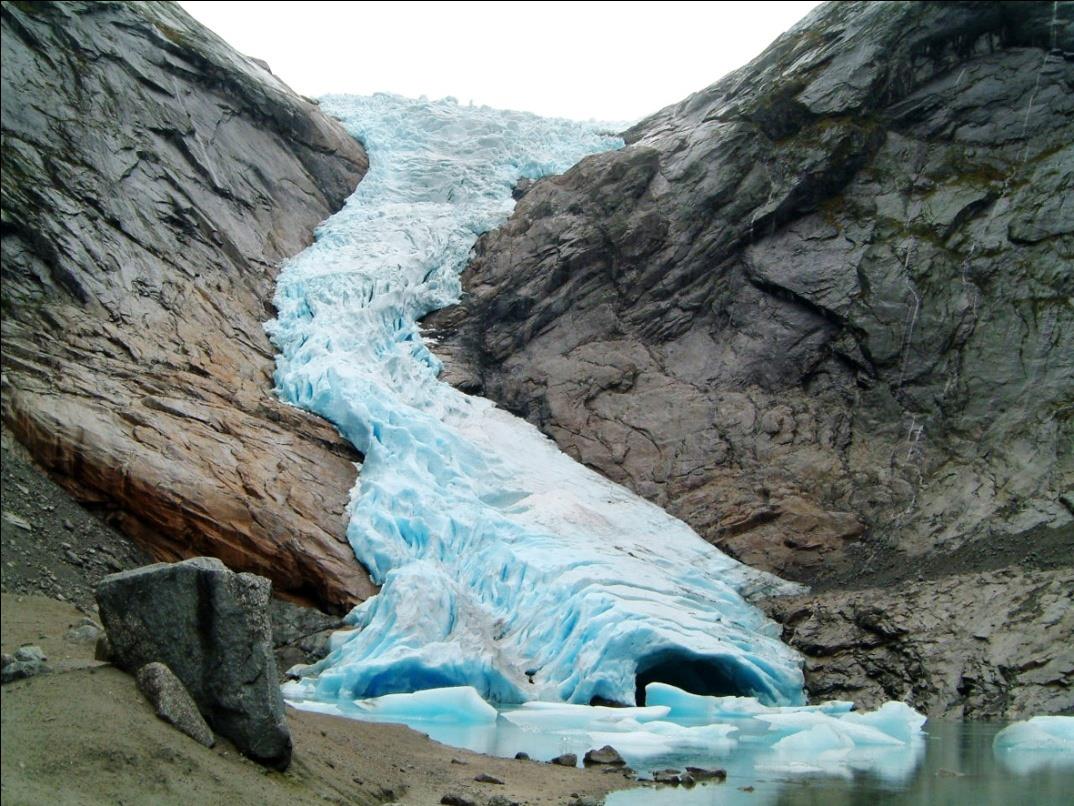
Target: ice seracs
(504, 564)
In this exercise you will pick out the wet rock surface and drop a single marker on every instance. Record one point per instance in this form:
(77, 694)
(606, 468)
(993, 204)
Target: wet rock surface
(820, 309)
(153, 179)
(210, 627)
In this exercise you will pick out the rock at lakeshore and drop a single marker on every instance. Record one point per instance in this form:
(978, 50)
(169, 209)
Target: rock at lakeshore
(704, 774)
(565, 760)
(605, 755)
(210, 627)
(668, 776)
(173, 703)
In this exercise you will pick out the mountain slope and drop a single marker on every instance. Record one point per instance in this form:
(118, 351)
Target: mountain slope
(153, 179)
(821, 311)
(822, 303)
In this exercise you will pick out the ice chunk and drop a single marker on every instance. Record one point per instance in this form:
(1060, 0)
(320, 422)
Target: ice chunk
(684, 705)
(657, 738)
(1043, 733)
(459, 705)
(503, 564)
(563, 716)
(895, 719)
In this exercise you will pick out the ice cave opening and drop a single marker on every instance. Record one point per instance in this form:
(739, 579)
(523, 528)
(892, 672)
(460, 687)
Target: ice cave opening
(705, 675)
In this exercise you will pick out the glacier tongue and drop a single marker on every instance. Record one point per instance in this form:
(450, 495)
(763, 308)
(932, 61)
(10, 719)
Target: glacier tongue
(504, 565)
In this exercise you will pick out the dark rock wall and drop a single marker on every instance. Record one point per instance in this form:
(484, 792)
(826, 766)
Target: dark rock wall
(820, 310)
(153, 180)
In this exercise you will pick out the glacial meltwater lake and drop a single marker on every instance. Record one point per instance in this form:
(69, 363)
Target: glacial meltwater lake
(951, 764)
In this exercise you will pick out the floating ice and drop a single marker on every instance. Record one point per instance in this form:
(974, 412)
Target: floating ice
(504, 565)
(1036, 744)
(793, 739)
(1043, 733)
(684, 705)
(460, 705)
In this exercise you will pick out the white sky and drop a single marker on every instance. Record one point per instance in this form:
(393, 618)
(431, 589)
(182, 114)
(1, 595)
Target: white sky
(613, 61)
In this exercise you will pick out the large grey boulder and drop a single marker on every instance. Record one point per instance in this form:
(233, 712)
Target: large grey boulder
(210, 627)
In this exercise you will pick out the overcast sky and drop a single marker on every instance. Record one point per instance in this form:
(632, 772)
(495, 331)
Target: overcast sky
(605, 61)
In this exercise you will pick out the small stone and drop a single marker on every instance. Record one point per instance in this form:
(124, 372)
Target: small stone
(500, 800)
(585, 800)
(604, 755)
(520, 756)
(485, 778)
(85, 634)
(745, 788)
(668, 776)
(453, 799)
(459, 761)
(26, 662)
(172, 702)
(703, 774)
(15, 520)
(70, 527)
(565, 760)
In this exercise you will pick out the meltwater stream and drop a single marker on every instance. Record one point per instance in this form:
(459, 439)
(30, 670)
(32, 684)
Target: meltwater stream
(504, 564)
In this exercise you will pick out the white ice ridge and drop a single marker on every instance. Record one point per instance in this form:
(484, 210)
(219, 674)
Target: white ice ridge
(504, 564)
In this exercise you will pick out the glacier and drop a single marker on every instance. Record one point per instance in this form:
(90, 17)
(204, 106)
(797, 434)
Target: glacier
(504, 565)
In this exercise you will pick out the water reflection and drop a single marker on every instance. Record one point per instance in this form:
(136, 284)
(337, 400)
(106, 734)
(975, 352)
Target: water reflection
(955, 766)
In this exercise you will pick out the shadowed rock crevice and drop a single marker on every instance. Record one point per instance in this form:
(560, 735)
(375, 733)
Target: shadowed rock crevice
(153, 180)
(712, 677)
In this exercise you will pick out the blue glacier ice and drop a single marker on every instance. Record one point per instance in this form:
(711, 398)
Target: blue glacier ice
(504, 565)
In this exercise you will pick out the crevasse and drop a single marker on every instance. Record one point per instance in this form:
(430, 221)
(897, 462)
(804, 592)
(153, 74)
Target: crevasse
(504, 564)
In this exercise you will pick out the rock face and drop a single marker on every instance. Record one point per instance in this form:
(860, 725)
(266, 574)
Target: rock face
(820, 310)
(974, 646)
(153, 179)
(211, 628)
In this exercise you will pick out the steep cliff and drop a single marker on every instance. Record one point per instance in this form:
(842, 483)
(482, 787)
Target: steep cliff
(820, 310)
(153, 179)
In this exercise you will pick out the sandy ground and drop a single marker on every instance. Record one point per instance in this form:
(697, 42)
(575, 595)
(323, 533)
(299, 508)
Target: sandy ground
(83, 734)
